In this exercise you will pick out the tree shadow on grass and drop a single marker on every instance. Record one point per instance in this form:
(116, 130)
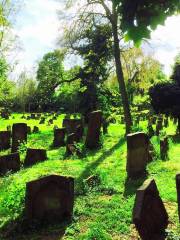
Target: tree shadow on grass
(131, 186)
(92, 166)
(21, 229)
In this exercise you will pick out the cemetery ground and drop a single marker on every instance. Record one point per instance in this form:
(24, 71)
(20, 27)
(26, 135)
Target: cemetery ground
(103, 204)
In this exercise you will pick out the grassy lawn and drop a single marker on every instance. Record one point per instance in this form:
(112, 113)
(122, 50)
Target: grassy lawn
(103, 211)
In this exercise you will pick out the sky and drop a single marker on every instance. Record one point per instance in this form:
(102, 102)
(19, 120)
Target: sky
(38, 27)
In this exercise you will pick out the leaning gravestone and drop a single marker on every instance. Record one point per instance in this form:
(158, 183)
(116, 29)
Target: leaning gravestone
(50, 199)
(94, 130)
(10, 162)
(42, 120)
(34, 156)
(59, 137)
(19, 135)
(5, 140)
(178, 192)
(149, 214)
(137, 154)
(35, 129)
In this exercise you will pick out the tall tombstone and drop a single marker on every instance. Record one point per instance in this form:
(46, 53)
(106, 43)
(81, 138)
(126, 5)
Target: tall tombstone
(19, 135)
(5, 140)
(50, 199)
(149, 214)
(164, 147)
(178, 192)
(137, 154)
(59, 137)
(34, 156)
(94, 130)
(10, 162)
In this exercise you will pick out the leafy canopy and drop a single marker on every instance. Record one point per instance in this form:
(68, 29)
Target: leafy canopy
(140, 17)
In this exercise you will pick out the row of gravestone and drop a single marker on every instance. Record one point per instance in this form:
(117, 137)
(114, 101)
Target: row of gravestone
(74, 129)
(149, 213)
(139, 153)
(11, 162)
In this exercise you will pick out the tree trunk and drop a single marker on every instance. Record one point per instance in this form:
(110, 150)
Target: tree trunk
(120, 78)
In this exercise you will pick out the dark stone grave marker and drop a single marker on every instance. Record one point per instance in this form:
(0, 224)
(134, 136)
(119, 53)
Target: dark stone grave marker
(149, 214)
(10, 162)
(19, 135)
(59, 137)
(50, 199)
(34, 156)
(137, 154)
(164, 147)
(94, 130)
(5, 140)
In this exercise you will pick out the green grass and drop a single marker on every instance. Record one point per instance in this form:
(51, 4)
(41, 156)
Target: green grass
(100, 212)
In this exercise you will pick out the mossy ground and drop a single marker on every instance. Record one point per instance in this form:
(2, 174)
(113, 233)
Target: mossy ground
(103, 211)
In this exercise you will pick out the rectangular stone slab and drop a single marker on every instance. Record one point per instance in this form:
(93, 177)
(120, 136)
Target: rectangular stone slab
(50, 199)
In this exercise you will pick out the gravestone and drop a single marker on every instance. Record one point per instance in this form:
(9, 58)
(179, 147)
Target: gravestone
(137, 154)
(42, 120)
(72, 124)
(59, 137)
(178, 192)
(19, 135)
(50, 199)
(72, 149)
(10, 162)
(50, 121)
(94, 130)
(35, 129)
(34, 156)
(5, 140)
(164, 147)
(33, 116)
(149, 214)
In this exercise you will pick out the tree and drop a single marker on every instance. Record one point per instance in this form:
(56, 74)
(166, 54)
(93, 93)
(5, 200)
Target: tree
(165, 98)
(6, 86)
(25, 93)
(111, 15)
(140, 17)
(49, 75)
(93, 44)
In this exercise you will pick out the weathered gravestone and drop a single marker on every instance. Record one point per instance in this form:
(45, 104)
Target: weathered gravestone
(50, 199)
(59, 137)
(35, 129)
(94, 130)
(72, 124)
(79, 132)
(42, 120)
(34, 156)
(19, 135)
(164, 147)
(178, 192)
(149, 214)
(5, 140)
(150, 130)
(137, 154)
(10, 162)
